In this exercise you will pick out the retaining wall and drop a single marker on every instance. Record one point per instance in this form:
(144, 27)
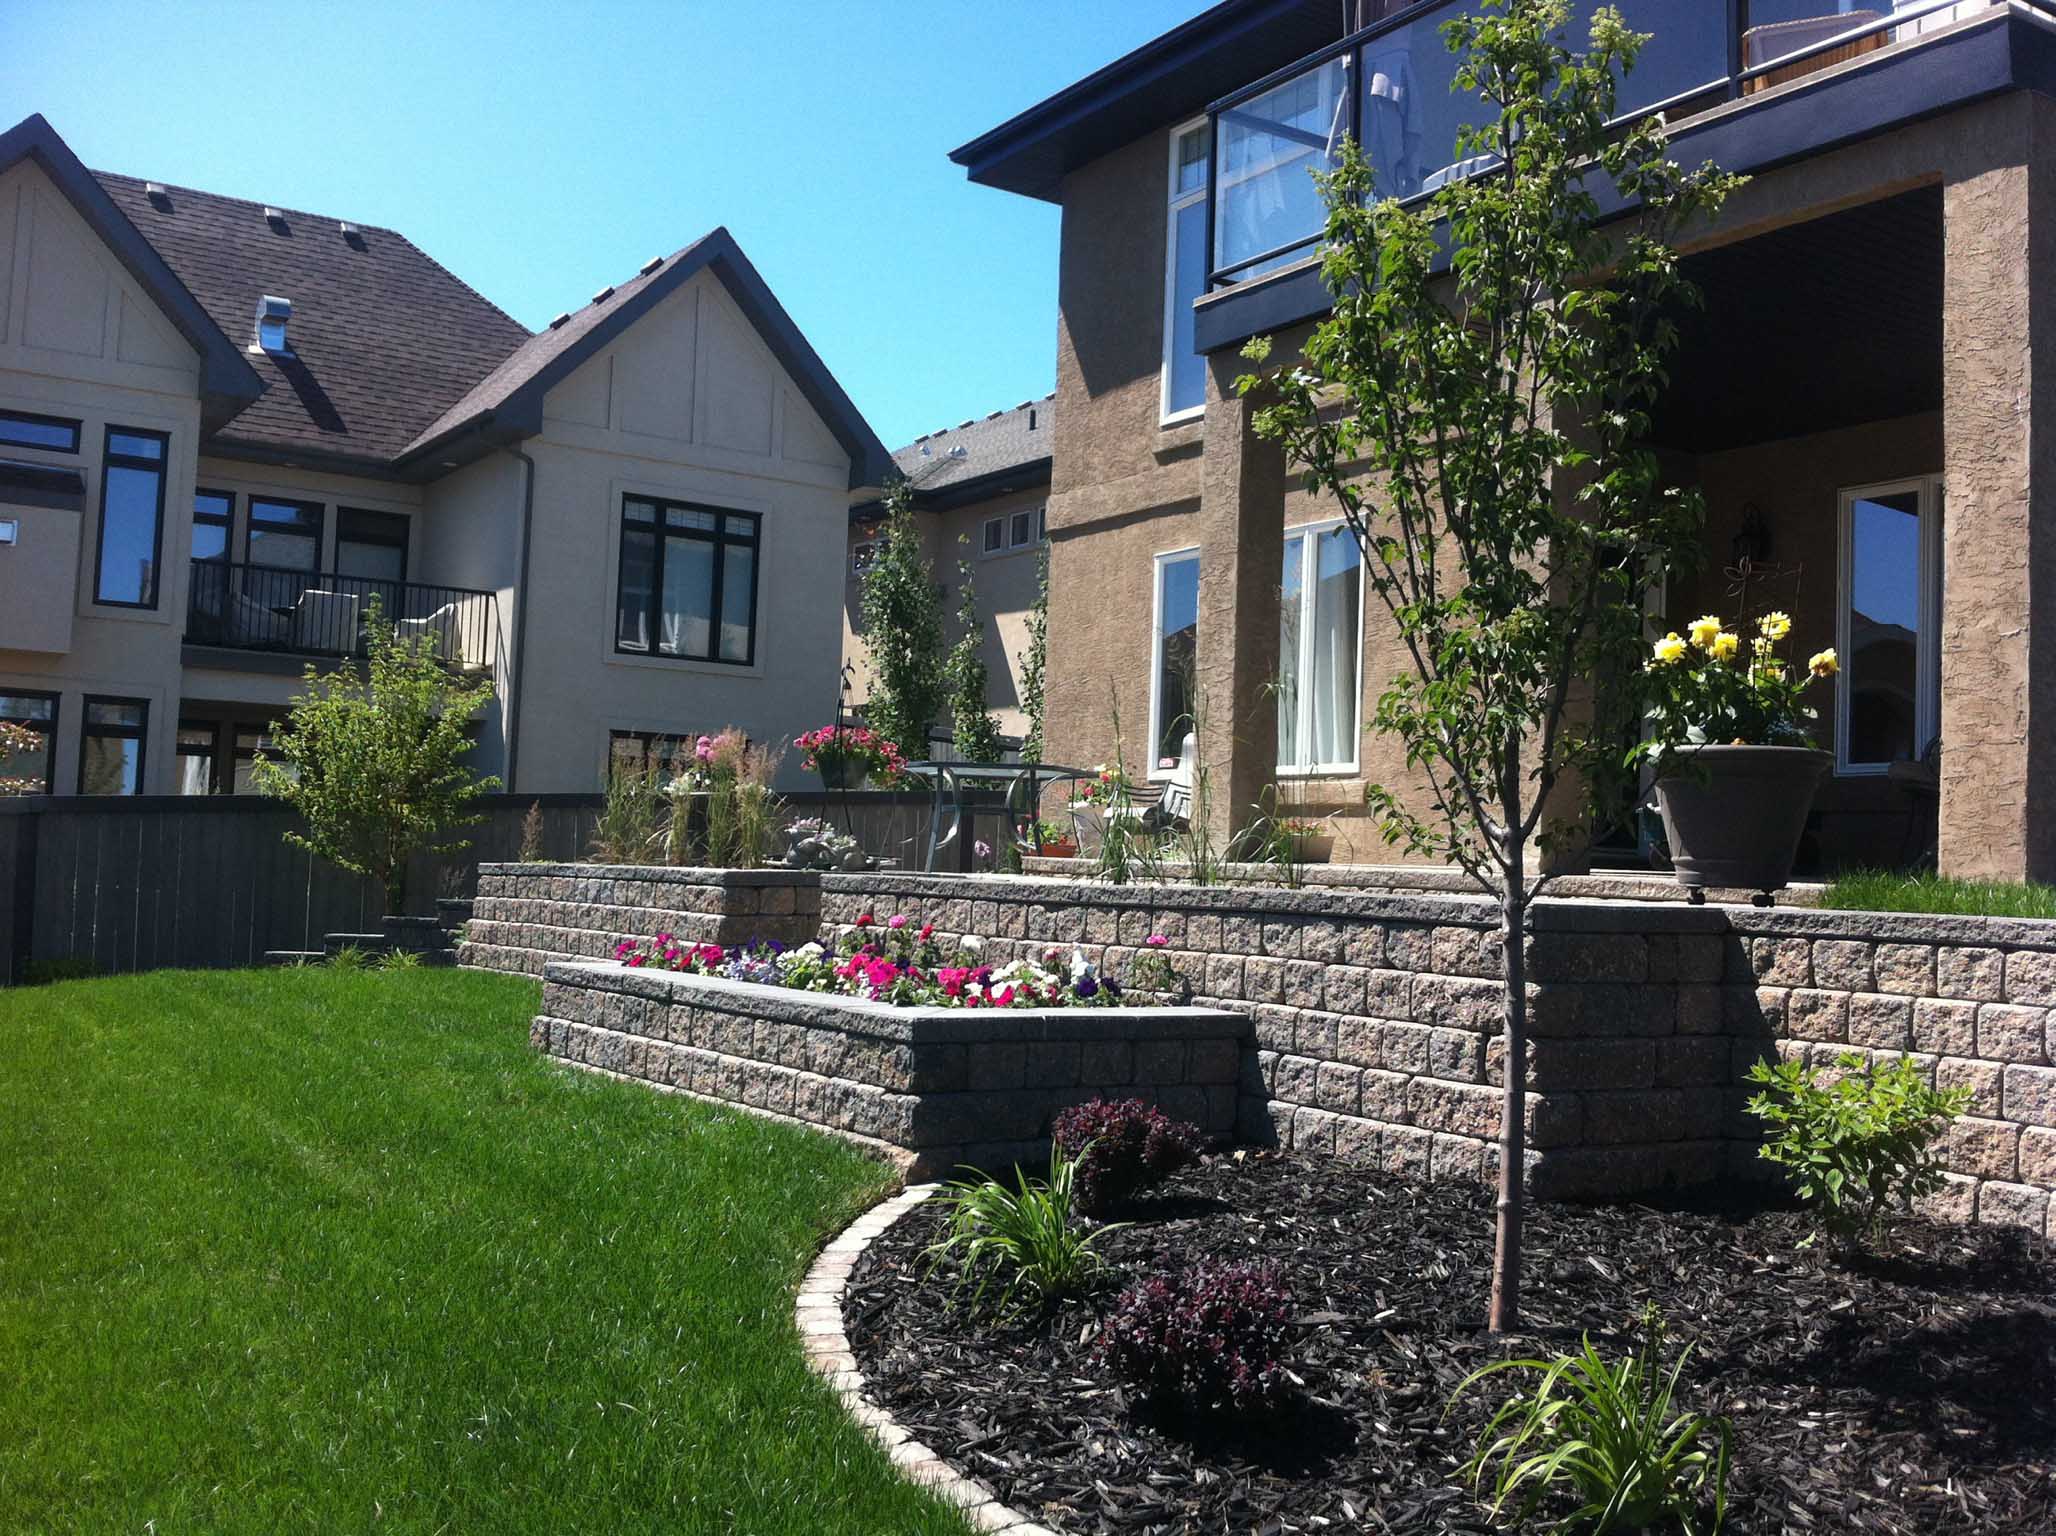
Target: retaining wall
(933, 1087)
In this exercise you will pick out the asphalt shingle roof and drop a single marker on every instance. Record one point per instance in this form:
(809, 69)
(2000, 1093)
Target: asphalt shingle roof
(992, 444)
(385, 338)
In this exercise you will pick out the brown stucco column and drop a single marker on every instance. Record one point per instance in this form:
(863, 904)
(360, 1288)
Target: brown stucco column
(1998, 694)
(1241, 552)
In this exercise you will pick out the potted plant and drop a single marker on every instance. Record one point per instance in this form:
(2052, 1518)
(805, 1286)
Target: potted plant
(1312, 843)
(1096, 800)
(1735, 763)
(849, 756)
(1052, 841)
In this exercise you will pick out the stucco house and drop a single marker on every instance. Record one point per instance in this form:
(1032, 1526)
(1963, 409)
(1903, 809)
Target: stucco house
(227, 428)
(979, 490)
(1860, 398)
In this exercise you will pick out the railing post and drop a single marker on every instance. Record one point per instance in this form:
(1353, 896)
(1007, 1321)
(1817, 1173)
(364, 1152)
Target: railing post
(1738, 23)
(1213, 179)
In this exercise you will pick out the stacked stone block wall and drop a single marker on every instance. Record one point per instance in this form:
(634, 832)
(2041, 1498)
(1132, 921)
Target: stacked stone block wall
(936, 1088)
(526, 915)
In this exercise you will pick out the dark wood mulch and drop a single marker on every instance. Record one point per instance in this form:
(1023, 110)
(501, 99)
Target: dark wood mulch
(1912, 1391)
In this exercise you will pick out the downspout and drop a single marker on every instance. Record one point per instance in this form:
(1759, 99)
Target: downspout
(520, 672)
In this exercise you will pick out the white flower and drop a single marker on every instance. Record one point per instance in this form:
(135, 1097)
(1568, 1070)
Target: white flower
(810, 951)
(1080, 967)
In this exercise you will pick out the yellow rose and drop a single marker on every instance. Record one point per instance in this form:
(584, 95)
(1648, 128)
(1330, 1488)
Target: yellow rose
(1670, 648)
(1725, 645)
(1823, 664)
(1703, 631)
(1775, 626)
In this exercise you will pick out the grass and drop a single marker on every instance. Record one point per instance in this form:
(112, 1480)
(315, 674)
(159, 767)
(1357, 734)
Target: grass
(320, 1251)
(1878, 891)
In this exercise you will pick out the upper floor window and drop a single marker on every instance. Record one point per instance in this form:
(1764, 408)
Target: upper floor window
(52, 433)
(213, 512)
(36, 712)
(1320, 634)
(285, 534)
(1184, 373)
(1174, 658)
(131, 518)
(688, 582)
(372, 545)
(1888, 632)
(1015, 530)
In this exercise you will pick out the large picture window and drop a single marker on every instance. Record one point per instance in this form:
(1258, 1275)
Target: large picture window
(1888, 633)
(688, 585)
(111, 746)
(285, 534)
(131, 518)
(1174, 658)
(38, 712)
(1184, 386)
(1320, 635)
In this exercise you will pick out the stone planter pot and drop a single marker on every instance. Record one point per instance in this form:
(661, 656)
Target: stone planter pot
(1313, 847)
(1089, 824)
(1059, 848)
(1734, 815)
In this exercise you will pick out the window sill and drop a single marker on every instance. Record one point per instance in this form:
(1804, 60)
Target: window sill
(753, 669)
(1175, 433)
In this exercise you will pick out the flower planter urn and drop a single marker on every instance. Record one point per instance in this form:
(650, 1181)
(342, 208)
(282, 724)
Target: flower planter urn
(1058, 848)
(1734, 815)
(841, 773)
(1089, 824)
(1313, 847)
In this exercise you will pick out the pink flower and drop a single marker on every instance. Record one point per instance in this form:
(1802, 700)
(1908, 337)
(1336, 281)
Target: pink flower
(1156, 941)
(865, 919)
(927, 931)
(898, 920)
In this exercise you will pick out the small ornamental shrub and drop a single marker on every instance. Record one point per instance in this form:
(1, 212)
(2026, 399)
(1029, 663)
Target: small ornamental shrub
(1211, 1336)
(1123, 1147)
(1023, 1239)
(1859, 1143)
(1606, 1433)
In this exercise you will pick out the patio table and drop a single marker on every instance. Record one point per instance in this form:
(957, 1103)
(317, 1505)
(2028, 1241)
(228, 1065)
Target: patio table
(948, 783)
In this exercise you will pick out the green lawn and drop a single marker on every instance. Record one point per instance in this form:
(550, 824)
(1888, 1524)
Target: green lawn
(318, 1251)
(1878, 891)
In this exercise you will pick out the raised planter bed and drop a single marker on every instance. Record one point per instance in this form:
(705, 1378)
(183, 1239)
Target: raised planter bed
(929, 1087)
(1913, 1391)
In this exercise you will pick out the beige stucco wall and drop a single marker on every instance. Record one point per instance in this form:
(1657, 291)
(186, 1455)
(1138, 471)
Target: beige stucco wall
(1004, 585)
(687, 404)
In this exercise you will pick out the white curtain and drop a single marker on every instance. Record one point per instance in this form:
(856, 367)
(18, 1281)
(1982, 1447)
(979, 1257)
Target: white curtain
(1334, 684)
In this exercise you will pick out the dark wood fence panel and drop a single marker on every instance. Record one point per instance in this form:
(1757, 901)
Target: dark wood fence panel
(160, 881)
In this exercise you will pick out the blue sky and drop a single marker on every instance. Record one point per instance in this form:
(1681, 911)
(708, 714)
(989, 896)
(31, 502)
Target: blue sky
(540, 151)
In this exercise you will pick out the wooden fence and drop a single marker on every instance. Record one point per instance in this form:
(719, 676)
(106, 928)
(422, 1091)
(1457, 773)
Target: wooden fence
(139, 883)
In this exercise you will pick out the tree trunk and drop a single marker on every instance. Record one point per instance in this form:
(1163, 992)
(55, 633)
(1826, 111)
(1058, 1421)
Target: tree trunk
(1506, 1250)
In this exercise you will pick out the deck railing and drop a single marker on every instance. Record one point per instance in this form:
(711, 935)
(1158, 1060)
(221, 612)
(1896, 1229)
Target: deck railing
(1388, 86)
(319, 613)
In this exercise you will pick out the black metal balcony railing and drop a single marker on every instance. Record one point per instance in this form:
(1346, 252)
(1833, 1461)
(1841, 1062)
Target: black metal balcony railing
(318, 613)
(1388, 86)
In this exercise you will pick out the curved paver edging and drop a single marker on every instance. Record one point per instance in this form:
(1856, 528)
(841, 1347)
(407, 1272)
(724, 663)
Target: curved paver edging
(818, 1314)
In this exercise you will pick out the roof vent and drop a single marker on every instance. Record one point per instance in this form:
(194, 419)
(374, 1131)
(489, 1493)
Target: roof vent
(560, 319)
(159, 198)
(353, 237)
(649, 266)
(272, 315)
(1031, 418)
(276, 219)
(604, 294)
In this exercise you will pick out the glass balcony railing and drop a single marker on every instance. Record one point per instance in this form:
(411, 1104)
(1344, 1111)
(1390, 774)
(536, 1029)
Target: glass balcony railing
(1388, 85)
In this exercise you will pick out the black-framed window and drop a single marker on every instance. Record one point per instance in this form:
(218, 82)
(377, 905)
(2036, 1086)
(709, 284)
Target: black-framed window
(214, 514)
(688, 582)
(196, 747)
(286, 534)
(371, 545)
(251, 741)
(54, 434)
(38, 712)
(644, 751)
(131, 518)
(111, 745)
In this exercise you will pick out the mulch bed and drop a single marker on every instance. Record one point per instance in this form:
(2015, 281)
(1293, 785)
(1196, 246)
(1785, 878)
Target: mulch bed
(1913, 1390)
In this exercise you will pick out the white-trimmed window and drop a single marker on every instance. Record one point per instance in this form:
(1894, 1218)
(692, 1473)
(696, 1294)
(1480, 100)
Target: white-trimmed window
(1320, 648)
(1185, 267)
(1010, 531)
(1174, 657)
(1888, 631)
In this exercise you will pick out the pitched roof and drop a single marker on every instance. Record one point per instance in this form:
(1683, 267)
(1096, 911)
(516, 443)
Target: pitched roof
(509, 398)
(384, 338)
(986, 456)
(227, 381)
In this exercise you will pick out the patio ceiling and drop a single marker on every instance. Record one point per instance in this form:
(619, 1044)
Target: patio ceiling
(1818, 325)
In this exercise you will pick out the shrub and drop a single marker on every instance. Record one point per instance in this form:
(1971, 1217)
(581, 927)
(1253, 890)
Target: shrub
(1024, 1238)
(1208, 1337)
(1858, 1142)
(532, 835)
(1608, 1434)
(1123, 1147)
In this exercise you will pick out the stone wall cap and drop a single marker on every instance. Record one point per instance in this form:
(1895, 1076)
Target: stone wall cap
(663, 874)
(1893, 927)
(1264, 900)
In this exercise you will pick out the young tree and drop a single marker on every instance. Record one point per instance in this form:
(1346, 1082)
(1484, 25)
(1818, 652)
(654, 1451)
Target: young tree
(903, 628)
(973, 731)
(1476, 406)
(375, 764)
(1035, 661)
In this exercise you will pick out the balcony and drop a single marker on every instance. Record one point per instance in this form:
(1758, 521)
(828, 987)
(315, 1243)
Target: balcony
(314, 614)
(1388, 85)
